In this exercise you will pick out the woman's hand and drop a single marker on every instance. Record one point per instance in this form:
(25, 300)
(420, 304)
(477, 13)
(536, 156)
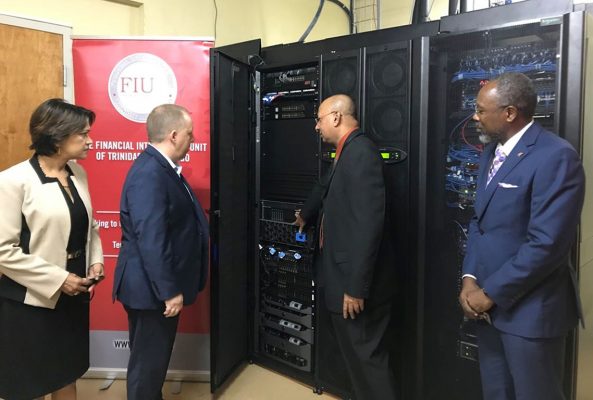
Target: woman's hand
(74, 285)
(96, 271)
(95, 275)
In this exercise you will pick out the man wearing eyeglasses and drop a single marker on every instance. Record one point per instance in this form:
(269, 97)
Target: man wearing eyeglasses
(356, 261)
(517, 270)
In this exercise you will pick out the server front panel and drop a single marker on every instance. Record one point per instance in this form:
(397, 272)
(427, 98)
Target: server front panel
(289, 159)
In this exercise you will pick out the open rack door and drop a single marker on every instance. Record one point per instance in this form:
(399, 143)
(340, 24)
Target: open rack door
(231, 214)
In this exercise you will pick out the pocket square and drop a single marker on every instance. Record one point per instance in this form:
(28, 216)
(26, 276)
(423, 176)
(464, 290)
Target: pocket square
(507, 185)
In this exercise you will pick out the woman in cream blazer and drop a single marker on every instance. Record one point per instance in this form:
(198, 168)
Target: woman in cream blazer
(50, 258)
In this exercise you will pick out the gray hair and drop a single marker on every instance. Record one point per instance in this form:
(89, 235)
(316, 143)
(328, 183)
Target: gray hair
(516, 89)
(164, 119)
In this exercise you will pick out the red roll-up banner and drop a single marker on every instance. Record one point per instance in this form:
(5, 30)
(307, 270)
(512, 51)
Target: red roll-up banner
(122, 80)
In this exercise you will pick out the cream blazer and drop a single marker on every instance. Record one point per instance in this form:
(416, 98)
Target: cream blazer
(43, 271)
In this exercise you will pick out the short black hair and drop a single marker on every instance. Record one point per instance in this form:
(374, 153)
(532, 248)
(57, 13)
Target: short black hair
(516, 89)
(53, 121)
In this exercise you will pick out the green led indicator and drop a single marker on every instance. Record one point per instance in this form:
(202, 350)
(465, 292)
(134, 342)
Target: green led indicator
(332, 154)
(385, 156)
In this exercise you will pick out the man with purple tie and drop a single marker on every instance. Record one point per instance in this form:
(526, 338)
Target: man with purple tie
(517, 275)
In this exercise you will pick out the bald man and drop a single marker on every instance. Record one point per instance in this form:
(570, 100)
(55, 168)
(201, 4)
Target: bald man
(356, 261)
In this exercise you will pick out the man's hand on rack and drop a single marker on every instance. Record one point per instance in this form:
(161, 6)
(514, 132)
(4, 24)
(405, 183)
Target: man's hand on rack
(299, 221)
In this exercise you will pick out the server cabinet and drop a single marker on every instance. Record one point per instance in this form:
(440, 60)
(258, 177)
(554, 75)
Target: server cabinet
(460, 64)
(286, 317)
(264, 162)
(268, 114)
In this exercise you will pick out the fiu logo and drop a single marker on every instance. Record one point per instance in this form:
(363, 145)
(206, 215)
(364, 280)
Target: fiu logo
(140, 82)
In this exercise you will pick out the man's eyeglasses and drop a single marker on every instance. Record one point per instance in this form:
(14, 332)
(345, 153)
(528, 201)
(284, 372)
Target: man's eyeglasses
(480, 111)
(319, 118)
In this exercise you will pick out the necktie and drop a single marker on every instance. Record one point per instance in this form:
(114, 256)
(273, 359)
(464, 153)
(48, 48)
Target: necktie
(322, 215)
(186, 187)
(499, 158)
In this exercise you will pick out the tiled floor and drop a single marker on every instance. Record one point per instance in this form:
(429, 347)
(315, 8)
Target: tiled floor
(256, 383)
(251, 383)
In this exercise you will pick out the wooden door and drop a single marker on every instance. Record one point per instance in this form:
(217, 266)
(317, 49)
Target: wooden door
(31, 71)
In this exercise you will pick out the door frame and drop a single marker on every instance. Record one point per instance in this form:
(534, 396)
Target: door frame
(51, 27)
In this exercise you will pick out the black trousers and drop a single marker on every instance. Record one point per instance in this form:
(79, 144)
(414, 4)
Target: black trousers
(151, 343)
(362, 344)
(43, 350)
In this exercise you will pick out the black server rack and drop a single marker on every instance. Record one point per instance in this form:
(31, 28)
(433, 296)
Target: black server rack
(289, 168)
(284, 158)
(459, 65)
(278, 319)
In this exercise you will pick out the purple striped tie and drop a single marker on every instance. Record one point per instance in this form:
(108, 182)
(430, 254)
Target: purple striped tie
(499, 158)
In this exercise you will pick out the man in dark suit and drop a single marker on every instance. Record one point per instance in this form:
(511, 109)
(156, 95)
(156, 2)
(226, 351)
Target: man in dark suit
(163, 261)
(357, 268)
(517, 270)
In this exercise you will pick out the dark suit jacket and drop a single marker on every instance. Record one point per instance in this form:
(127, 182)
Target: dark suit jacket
(164, 248)
(357, 256)
(520, 238)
